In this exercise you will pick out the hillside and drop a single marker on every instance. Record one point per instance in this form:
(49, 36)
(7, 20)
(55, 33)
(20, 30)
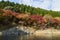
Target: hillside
(12, 15)
(26, 9)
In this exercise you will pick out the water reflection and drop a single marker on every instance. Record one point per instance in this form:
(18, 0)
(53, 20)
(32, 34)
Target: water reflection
(9, 38)
(15, 34)
(14, 37)
(24, 37)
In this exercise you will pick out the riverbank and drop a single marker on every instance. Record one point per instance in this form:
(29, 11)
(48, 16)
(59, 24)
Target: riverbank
(32, 34)
(46, 32)
(50, 32)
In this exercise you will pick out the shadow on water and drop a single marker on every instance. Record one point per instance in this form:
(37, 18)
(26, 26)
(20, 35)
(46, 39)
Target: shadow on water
(9, 38)
(22, 37)
(26, 37)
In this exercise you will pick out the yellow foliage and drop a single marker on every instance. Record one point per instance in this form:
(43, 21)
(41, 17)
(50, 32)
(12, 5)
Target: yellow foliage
(58, 18)
(47, 17)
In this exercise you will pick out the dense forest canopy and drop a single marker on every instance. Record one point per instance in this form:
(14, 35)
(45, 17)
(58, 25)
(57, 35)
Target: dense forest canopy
(26, 9)
(12, 13)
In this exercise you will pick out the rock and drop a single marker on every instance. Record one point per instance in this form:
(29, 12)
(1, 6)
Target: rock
(43, 33)
(0, 33)
(14, 31)
(26, 29)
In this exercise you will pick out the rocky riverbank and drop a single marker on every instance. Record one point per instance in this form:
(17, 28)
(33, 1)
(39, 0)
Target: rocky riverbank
(32, 33)
(50, 32)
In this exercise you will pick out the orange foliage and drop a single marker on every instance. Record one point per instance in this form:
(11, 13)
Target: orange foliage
(7, 12)
(22, 15)
(17, 15)
(55, 21)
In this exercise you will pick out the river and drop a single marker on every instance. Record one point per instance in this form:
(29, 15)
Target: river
(14, 34)
(22, 37)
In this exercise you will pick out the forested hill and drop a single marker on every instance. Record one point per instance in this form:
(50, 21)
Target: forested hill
(26, 9)
(14, 14)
